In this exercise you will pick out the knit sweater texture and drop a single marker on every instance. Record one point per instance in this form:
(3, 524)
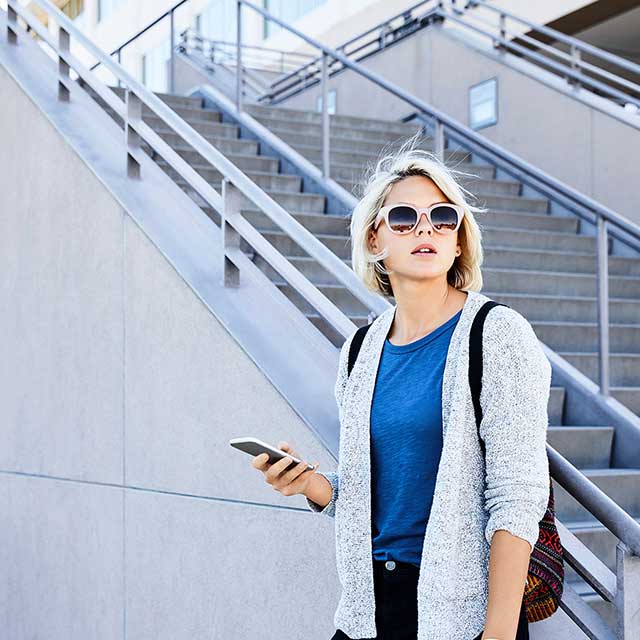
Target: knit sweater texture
(471, 499)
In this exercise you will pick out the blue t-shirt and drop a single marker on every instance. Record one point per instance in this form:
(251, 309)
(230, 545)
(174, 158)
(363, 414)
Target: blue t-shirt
(406, 442)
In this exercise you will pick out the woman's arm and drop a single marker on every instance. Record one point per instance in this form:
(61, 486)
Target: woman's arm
(515, 395)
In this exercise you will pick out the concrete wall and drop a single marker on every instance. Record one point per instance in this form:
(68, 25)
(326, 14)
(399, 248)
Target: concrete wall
(575, 142)
(126, 513)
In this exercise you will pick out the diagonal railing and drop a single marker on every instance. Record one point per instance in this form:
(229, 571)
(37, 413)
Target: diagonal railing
(223, 52)
(592, 74)
(622, 85)
(235, 182)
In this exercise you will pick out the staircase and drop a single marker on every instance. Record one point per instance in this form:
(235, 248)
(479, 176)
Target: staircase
(539, 264)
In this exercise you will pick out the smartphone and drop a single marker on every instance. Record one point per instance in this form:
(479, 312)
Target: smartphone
(254, 447)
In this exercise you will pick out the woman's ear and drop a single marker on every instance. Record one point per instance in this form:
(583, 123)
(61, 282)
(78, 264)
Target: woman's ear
(372, 241)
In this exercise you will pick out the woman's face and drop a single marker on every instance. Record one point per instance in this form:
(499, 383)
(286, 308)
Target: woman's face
(422, 192)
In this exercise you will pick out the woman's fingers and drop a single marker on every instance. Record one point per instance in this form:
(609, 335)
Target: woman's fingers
(260, 461)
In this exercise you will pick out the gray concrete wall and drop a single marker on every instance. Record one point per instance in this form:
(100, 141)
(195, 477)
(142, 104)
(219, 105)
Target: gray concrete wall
(574, 141)
(126, 513)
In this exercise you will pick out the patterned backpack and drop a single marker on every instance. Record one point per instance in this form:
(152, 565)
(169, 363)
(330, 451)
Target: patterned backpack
(545, 577)
(543, 591)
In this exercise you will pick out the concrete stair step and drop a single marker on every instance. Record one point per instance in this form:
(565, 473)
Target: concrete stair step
(599, 540)
(353, 171)
(624, 368)
(628, 396)
(170, 98)
(372, 146)
(314, 155)
(301, 201)
(245, 161)
(583, 447)
(207, 128)
(621, 485)
(484, 185)
(557, 283)
(190, 114)
(222, 144)
(554, 260)
(266, 179)
(302, 115)
(539, 307)
(372, 133)
(583, 336)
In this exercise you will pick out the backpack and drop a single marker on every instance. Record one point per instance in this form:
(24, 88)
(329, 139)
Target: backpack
(545, 577)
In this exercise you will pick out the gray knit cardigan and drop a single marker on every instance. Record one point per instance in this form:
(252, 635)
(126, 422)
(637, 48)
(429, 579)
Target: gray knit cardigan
(454, 568)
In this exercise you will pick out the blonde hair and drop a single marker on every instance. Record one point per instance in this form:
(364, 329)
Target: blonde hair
(464, 273)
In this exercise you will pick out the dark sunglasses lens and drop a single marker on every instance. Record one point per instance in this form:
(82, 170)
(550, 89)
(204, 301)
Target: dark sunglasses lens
(444, 218)
(402, 219)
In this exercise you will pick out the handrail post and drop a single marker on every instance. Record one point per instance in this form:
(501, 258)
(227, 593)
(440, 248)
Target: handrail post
(326, 161)
(63, 66)
(626, 602)
(119, 62)
(230, 236)
(133, 114)
(238, 55)
(172, 60)
(575, 65)
(602, 254)
(12, 24)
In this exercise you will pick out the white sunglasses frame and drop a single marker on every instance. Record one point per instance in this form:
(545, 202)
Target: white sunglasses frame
(384, 214)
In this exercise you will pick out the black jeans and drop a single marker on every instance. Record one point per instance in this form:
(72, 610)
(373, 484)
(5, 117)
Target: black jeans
(396, 594)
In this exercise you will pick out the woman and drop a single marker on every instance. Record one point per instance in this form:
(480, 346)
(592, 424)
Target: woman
(424, 548)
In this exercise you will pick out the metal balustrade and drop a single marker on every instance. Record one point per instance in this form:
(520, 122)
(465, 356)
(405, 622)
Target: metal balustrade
(137, 131)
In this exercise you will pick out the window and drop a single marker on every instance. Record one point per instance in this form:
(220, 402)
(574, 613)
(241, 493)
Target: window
(287, 10)
(154, 67)
(106, 7)
(483, 104)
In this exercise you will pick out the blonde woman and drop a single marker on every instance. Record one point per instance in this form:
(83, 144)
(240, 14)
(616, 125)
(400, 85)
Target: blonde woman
(431, 542)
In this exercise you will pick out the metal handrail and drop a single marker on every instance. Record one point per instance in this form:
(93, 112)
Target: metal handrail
(226, 60)
(380, 28)
(573, 72)
(306, 73)
(563, 37)
(136, 131)
(193, 33)
(219, 52)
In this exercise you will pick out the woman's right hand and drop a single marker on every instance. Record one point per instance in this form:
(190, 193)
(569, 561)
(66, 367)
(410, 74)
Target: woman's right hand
(288, 483)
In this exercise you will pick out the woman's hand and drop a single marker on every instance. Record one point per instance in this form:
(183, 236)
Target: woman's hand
(290, 482)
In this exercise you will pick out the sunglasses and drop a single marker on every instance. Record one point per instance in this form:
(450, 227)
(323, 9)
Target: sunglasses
(402, 218)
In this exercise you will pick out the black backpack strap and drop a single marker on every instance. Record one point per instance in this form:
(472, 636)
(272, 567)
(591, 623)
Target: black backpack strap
(475, 360)
(354, 347)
